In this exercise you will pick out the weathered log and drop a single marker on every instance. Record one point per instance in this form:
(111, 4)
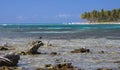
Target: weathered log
(9, 60)
(3, 48)
(35, 47)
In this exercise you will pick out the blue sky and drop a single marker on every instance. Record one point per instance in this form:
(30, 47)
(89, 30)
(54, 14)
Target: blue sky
(50, 11)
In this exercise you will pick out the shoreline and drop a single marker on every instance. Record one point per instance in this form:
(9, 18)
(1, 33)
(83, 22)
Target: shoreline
(93, 23)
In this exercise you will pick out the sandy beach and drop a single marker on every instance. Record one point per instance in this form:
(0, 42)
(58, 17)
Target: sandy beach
(104, 53)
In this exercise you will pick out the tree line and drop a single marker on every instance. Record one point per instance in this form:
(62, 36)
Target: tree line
(102, 15)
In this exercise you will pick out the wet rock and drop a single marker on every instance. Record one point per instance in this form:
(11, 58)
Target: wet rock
(40, 37)
(41, 69)
(10, 59)
(47, 65)
(104, 69)
(81, 50)
(101, 52)
(53, 53)
(64, 66)
(3, 48)
(117, 62)
(10, 68)
(35, 47)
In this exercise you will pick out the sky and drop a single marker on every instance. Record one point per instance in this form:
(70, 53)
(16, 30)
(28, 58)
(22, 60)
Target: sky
(50, 11)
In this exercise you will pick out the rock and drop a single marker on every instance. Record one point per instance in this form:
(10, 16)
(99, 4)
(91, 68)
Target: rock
(40, 37)
(41, 69)
(9, 60)
(10, 68)
(64, 66)
(102, 52)
(35, 47)
(3, 48)
(53, 53)
(104, 69)
(48, 65)
(81, 50)
(117, 62)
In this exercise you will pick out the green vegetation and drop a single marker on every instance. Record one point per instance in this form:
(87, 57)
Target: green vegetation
(102, 15)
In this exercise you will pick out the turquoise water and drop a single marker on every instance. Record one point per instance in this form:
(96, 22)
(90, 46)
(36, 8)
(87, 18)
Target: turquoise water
(60, 30)
(56, 28)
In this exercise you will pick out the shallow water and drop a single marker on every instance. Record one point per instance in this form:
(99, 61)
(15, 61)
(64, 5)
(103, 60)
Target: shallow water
(61, 31)
(87, 61)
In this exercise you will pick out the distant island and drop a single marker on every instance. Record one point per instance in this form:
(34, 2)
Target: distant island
(102, 16)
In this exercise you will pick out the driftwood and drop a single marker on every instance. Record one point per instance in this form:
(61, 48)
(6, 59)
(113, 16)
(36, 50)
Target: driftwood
(3, 48)
(33, 49)
(9, 60)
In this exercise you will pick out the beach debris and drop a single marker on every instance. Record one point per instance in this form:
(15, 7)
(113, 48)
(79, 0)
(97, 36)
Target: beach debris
(81, 50)
(6, 47)
(10, 59)
(48, 65)
(3, 48)
(53, 53)
(117, 62)
(101, 52)
(63, 66)
(40, 37)
(104, 69)
(35, 47)
(34, 42)
(10, 68)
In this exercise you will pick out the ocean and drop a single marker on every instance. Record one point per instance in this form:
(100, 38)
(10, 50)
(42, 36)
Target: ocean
(62, 31)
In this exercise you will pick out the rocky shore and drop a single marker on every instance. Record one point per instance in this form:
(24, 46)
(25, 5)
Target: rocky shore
(62, 54)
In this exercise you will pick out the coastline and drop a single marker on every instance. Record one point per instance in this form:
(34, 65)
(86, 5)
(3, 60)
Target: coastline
(93, 23)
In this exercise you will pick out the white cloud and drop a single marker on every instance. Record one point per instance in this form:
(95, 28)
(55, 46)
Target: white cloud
(63, 16)
(20, 17)
(27, 17)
